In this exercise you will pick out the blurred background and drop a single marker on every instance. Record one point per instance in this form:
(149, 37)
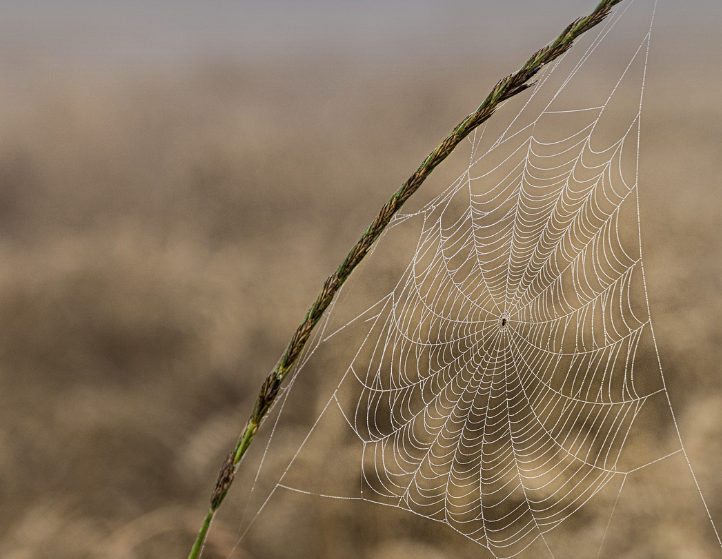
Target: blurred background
(177, 179)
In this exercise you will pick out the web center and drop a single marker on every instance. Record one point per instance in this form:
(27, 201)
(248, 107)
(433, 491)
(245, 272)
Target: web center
(503, 320)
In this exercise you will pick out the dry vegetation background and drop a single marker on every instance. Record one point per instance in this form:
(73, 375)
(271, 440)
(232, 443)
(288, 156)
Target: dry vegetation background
(163, 230)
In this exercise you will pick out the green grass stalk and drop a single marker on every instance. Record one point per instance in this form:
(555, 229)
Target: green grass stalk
(506, 88)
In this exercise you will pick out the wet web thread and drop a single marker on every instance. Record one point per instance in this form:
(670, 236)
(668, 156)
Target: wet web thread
(497, 384)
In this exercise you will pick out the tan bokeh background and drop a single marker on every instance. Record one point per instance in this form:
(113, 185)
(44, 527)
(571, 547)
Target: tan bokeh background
(164, 223)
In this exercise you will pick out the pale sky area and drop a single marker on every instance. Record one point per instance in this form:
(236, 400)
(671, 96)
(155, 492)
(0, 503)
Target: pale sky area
(95, 34)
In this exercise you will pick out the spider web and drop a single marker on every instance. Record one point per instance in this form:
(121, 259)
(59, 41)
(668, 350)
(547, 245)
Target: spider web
(498, 384)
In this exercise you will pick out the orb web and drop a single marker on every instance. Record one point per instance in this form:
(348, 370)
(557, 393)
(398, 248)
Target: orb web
(497, 384)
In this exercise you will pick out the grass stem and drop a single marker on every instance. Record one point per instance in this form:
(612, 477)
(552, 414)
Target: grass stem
(506, 88)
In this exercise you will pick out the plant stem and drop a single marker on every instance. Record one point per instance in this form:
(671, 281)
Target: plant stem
(505, 89)
(201, 539)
